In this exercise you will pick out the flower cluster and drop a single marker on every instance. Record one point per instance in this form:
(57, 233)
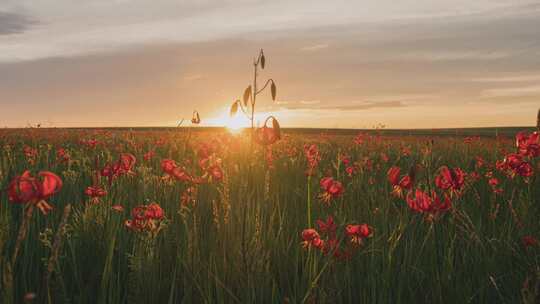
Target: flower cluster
(515, 164)
(528, 144)
(430, 204)
(211, 167)
(327, 240)
(519, 163)
(124, 166)
(173, 171)
(146, 218)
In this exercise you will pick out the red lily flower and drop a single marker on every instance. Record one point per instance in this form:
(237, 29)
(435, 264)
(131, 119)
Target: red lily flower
(313, 157)
(126, 162)
(146, 218)
(168, 165)
(62, 155)
(95, 191)
(528, 144)
(149, 155)
(328, 226)
(450, 179)
(28, 189)
(154, 211)
(422, 202)
(398, 185)
(358, 232)
(266, 136)
(332, 189)
(529, 241)
(312, 239)
(514, 164)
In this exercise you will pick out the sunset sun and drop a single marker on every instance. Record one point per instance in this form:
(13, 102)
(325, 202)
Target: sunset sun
(235, 124)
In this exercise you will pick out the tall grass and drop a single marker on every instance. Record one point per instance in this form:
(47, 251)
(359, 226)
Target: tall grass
(239, 240)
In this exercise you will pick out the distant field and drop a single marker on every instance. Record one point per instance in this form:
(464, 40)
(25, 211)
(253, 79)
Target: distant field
(502, 131)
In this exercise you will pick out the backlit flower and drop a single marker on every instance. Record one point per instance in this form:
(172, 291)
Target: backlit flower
(28, 189)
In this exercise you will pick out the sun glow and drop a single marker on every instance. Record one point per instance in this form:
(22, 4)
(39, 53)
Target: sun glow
(236, 124)
(233, 124)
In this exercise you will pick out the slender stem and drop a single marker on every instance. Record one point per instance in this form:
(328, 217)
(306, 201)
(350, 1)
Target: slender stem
(264, 87)
(254, 95)
(57, 244)
(309, 201)
(22, 232)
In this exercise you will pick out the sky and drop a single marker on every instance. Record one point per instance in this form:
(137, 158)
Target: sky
(336, 64)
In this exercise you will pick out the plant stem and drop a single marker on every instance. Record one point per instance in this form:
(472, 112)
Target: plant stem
(309, 201)
(22, 233)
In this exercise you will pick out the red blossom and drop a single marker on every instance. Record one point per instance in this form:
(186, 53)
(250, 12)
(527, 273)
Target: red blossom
(28, 189)
(450, 179)
(332, 189)
(313, 157)
(266, 136)
(399, 184)
(62, 155)
(327, 226)
(311, 238)
(95, 191)
(357, 233)
(529, 241)
(168, 165)
(422, 202)
(528, 144)
(146, 218)
(149, 155)
(515, 164)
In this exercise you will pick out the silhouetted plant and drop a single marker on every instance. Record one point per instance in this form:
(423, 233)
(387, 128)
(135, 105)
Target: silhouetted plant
(249, 99)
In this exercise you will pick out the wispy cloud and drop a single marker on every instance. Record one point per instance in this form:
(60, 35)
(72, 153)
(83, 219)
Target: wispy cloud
(316, 47)
(514, 78)
(309, 102)
(455, 55)
(512, 92)
(193, 77)
(13, 23)
(353, 106)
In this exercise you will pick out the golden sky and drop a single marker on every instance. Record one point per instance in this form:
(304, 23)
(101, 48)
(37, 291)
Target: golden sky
(345, 64)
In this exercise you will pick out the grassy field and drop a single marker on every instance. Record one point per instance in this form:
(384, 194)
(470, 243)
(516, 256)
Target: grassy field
(182, 216)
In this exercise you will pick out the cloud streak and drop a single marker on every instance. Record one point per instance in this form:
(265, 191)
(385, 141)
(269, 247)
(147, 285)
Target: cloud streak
(13, 23)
